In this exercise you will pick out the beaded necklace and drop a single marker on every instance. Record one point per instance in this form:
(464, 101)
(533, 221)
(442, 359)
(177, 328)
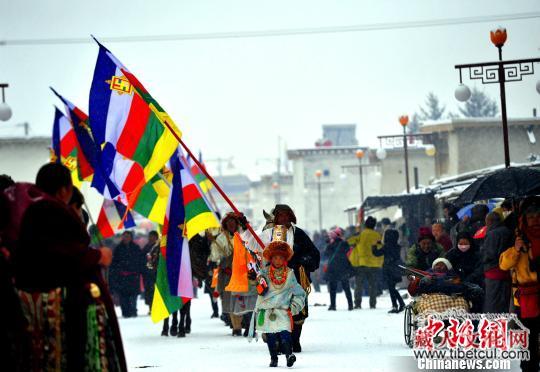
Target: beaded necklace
(278, 277)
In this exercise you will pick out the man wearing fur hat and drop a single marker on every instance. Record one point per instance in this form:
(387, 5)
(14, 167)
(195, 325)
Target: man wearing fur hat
(283, 300)
(305, 259)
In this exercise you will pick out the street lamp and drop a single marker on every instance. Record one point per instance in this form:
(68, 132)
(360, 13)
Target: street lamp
(318, 174)
(497, 72)
(404, 121)
(5, 110)
(360, 156)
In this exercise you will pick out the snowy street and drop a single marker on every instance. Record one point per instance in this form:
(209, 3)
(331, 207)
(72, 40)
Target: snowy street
(354, 340)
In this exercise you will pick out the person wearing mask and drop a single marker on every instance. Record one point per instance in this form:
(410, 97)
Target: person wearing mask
(338, 267)
(128, 264)
(466, 261)
(524, 259)
(391, 272)
(365, 264)
(58, 276)
(497, 281)
(422, 254)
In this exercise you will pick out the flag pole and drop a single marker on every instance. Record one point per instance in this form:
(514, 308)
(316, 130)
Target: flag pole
(221, 192)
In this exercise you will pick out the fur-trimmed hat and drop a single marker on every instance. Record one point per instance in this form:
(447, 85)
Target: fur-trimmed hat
(444, 261)
(229, 216)
(278, 248)
(284, 208)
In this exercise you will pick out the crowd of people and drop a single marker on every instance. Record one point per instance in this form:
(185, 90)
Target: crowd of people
(491, 258)
(61, 291)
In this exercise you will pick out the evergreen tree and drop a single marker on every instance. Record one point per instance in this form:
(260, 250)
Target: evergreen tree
(433, 109)
(414, 124)
(480, 105)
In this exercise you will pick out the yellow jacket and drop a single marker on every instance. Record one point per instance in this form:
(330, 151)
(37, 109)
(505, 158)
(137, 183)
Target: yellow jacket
(361, 254)
(519, 262)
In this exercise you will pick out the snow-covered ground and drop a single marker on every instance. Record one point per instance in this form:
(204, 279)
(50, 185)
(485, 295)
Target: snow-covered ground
(359, 340)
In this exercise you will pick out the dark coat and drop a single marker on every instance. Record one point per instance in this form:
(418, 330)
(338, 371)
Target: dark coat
(467, 265)
(53, 251)
(338, 265)
(128, 264)
(305, 254)
(392, 256)
(498, 239)
(199, 250)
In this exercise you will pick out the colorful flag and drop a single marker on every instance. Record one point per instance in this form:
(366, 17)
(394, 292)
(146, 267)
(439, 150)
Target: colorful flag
(89, 152)
(174, 277)
(111, 218)
(126, 116)
(64, 145)
(199, 215)
(151, 201)
(204, 183)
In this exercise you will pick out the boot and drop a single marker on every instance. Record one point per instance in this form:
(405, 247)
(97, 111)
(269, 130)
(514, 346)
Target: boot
(181, 331)
(297, 331)
(237, 332)
(332, 306)
(215, 313)
(393, 311)
(174, 324)
(348, 294)
(401, 308)
(289, 356)
(165, 331)
(272, 348)
(188, 325)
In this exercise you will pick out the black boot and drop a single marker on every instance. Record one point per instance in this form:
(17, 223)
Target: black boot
(165, 331)
(273, 348)
(181, 331)
(237, 332)
(174, 324)
(349, 299)
(287, 350)
(332, 301)
(188, 325)
(297, 331)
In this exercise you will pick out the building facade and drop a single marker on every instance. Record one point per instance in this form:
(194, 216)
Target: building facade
(465, 145)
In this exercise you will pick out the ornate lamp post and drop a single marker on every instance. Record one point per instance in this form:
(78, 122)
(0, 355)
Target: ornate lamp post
(404, 121)
(5, 110)
(497, 72)
(359, 155)
(394, 140)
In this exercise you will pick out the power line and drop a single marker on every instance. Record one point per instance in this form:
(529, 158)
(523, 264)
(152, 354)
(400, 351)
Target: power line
(279, 32)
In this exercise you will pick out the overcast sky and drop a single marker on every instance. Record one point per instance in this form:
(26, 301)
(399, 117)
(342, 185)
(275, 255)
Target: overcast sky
(234, 97)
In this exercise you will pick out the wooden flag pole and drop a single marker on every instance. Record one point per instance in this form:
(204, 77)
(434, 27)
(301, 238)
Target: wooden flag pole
(221, 192)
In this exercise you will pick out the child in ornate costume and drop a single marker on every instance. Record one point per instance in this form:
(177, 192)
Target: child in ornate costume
(280, 301)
